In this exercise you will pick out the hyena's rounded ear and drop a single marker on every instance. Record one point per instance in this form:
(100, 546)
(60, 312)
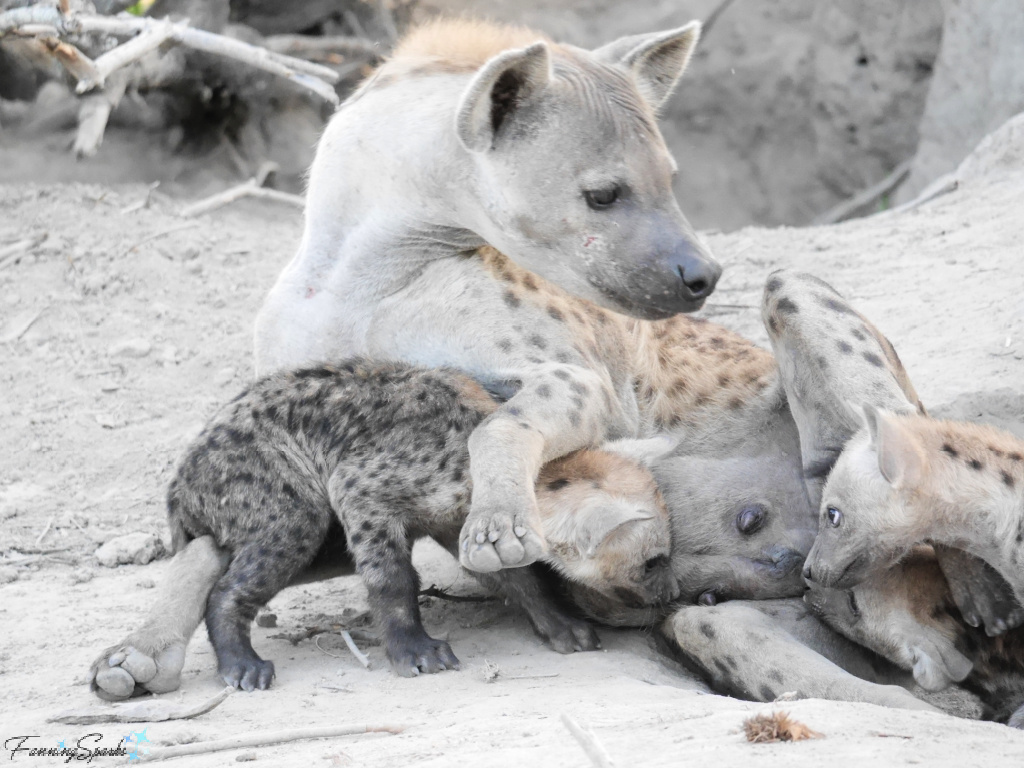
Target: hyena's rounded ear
(901, 457)
(497, 90)
(937, 665)
(657, 60)
(645, 451)
(597, 524)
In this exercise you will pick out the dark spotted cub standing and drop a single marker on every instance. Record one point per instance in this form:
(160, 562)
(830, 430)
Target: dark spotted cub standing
(384, 449)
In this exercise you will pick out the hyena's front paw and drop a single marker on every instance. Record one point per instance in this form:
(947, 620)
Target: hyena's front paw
(135, 667)
(566, 634)
(415, 652)
(496, 538)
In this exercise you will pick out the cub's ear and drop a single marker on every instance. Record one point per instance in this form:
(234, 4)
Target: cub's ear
(497, 90)
(644, 452)
(598, 523)
(657, 60)
(901, 457)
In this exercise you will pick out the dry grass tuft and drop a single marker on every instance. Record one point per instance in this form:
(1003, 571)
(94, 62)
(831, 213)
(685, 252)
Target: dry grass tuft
(778, 726)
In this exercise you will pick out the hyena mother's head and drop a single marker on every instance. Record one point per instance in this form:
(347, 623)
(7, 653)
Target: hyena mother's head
(573, 175)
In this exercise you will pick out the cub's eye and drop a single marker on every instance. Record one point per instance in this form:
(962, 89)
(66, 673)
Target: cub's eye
(708, 598)
(854, 608)
(834, 517)
(750, 519)
(598, 199)
(656, 562)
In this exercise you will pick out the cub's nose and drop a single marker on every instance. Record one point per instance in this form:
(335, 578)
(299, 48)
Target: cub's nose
(807, 572)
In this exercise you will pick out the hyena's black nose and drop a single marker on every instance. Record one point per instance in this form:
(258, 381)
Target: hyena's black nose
(699, 273)
(807, 572)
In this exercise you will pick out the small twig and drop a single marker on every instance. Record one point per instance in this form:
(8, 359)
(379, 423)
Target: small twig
(597, 754)
(849, 208)
(943, 186)
(46, 530)
(36, 14)
(316, 642)
(152, 711)
(146, 41)
(144, 202)
(892, 736)
(266, 739)
(77, 64)
(713, 17)
(306, 45)
(341, 688)
(363, 658)
(434, 591)
(157, 235)
(249, 188)
(9, 254)
(530, 677)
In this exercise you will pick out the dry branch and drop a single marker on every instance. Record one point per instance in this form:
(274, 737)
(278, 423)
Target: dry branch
(849, 208)
(250, 188)
(148, 34)
(362, 657)
(146, 41)
(597, 754)
(266, 739)
(151, 711)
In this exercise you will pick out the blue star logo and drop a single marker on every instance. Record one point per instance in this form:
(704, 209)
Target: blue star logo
(61, 745)
(135, 738)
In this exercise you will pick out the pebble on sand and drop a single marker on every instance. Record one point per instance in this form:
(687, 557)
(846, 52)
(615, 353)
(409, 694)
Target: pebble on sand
(130, 348)
(138, 548)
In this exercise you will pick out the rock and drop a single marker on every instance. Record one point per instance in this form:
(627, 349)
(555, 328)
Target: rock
(224, 376)
(8, 573)
(266, 620)
(138, 548)
(978, 85)
(130, 348)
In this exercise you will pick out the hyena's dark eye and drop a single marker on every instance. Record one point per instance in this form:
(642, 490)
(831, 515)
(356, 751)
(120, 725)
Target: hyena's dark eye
(708, 598)
(598, 199)
(834, 517)
(854, 608)
(750, 519)
(656, 562)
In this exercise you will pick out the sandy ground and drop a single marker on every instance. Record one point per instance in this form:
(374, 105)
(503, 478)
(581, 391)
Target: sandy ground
(123, 331)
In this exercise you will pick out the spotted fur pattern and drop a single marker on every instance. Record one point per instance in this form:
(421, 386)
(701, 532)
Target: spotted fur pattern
(383, 448)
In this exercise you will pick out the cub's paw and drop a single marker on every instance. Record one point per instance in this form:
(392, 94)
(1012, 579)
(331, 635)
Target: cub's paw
(247, 673)
(493, 539)
(567, 634)
(135, 667)
(412, 654)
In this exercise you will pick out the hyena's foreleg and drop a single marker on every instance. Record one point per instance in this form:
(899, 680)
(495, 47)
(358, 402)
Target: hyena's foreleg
(562, 409)
(745, 653)
(150, 658)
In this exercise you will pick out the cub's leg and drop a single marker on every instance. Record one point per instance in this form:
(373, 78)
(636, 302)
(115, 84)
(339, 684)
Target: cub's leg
(151, 658)
(524, 588)
(744, 653)
(265, 561)
(379, 539)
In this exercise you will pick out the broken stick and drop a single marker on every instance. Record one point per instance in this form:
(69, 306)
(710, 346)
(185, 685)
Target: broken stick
(151, 711)
(265, 739)
(597, 754)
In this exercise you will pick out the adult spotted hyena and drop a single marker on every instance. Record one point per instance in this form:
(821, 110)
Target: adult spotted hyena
(473, 134)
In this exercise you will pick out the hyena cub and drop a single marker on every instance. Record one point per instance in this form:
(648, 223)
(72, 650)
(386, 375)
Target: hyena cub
(907, 614)
(910, 479)
(384, 449)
